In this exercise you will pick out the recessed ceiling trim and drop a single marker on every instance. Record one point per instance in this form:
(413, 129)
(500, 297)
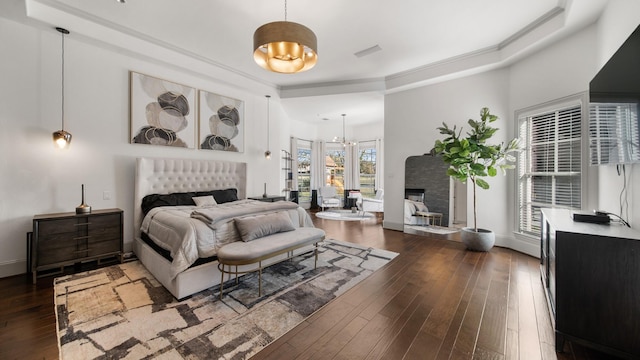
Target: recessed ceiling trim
(42, 10)
(486, 58)
(551, 14)
(493, 56)
(330, 88)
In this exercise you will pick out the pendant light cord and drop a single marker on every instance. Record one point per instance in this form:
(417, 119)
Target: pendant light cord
(285, 10)
(62, 82)
(344, 138)
(268, 111)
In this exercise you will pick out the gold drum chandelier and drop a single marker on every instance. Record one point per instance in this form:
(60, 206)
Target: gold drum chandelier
(285, 47)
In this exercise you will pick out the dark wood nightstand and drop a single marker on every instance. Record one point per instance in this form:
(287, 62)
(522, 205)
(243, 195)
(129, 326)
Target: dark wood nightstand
(269, 198)
(68, 238)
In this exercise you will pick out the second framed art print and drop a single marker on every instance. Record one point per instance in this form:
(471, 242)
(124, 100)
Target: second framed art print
(221, 122)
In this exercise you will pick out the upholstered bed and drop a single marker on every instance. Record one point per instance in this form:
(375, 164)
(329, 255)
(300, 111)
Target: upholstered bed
(189, 235)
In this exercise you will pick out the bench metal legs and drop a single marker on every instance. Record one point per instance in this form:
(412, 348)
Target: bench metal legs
(260, 279)
(222, 272)
(221, 282)
(221, 267)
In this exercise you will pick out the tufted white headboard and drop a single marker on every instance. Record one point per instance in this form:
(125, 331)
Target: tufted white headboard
(165, 176)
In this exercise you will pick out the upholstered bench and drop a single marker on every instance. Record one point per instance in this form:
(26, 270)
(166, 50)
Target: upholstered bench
(431, 217)
(255, 251)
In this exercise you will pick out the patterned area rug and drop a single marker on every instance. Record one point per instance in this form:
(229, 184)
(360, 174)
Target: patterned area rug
(122, 312)
(345, 215)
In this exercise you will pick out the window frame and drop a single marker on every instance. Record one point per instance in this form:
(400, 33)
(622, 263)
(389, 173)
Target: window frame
(580, 100)
(305, 145)
(363, 147)
(330, 148)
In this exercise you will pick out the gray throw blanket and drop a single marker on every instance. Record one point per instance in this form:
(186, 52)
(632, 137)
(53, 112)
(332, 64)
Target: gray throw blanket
(214, 215)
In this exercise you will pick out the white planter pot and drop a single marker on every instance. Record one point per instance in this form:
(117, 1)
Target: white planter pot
(483, 240)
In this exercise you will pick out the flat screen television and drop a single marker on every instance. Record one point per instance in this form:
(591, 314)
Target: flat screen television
(614, 96)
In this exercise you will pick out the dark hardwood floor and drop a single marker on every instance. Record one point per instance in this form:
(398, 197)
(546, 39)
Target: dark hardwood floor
(434, 301)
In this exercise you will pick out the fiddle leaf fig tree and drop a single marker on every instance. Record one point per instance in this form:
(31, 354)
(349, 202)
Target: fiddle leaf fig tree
(471, 158)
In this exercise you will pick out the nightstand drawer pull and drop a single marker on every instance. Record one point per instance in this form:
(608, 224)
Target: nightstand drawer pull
(79, 251)
(83, 224)
(81, 237)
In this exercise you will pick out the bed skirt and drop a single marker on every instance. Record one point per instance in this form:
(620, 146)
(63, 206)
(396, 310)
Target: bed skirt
(194, 279)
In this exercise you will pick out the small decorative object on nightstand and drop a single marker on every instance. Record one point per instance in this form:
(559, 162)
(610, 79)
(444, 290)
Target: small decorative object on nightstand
(83, 208)
(68, 238)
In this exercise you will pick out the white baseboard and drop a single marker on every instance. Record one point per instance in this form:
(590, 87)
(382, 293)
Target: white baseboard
(525, 247)
(13, 267)
(392, 225)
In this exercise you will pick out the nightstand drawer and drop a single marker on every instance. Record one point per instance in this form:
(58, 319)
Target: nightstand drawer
(60, 250)
(104, 227)
(63, 226)
(95, 248)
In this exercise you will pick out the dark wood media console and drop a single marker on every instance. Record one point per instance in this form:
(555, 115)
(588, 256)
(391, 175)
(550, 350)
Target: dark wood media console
(591, 275)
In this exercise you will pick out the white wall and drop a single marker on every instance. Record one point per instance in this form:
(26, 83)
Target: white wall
(329, 129)
(411, 119)
(369, 131)
(36, 178)
(561, 70)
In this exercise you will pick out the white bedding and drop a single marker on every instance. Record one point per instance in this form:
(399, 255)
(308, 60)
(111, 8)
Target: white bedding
(190, 232)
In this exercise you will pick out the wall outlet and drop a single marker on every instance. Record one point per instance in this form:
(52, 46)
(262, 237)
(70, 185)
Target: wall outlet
(106, 195)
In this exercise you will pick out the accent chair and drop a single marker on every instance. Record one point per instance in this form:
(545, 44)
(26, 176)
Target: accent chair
(376, 204)
(328, 197)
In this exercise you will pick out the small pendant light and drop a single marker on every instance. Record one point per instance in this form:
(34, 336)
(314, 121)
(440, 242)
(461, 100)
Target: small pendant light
(267, 154)
(62, 138)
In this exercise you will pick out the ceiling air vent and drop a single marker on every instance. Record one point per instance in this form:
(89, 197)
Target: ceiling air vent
(368, 51)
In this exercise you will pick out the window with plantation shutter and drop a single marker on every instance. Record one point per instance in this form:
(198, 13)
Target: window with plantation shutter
(613, 133)
(549, 168)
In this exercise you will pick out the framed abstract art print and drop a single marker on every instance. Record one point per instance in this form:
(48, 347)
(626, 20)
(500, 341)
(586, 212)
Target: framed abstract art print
(221, 122)
(161, 112)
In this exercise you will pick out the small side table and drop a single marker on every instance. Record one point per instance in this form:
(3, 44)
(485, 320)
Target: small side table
(352, 201)
(269, 198)
(431, 217)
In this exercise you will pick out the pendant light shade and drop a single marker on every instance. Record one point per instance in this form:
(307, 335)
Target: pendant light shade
(285, 47)
(267, 154)
(62, 138)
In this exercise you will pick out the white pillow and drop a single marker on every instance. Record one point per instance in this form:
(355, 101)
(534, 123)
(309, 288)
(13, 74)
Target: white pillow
(420, 206)
(204, 200)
